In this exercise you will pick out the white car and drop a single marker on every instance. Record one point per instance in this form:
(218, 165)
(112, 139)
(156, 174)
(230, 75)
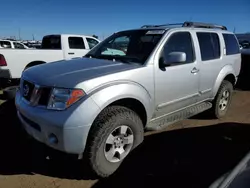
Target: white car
(53, 48)
(12, 44)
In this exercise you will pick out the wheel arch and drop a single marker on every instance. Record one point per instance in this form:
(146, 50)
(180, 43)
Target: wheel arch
(227, 73)
(131, 96)
(134, 105)
(34, 63)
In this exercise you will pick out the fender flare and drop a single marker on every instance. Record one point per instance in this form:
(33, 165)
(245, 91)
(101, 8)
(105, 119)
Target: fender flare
(111, 92)
(225, 71)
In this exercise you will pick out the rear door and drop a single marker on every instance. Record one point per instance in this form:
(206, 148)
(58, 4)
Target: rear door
(210, 61)
(76, 47)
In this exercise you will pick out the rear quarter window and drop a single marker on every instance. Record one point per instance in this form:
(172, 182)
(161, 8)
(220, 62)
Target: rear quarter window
(232, 46)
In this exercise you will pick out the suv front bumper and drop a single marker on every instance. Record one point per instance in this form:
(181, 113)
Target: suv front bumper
(65, 131)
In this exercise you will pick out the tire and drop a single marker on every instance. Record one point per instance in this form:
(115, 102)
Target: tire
(111, 120)
(28, 66)
(217, 110)
(32, 65)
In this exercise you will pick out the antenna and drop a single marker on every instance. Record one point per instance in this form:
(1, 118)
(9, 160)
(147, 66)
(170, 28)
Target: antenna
(19, 33)
(234, 30)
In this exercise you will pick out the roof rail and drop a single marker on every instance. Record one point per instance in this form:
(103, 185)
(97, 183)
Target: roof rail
(162, 25)
(190, 24)
(203, 25)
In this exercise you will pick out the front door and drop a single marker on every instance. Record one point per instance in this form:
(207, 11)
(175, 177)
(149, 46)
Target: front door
(176, 86)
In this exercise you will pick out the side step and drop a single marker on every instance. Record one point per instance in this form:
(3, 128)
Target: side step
(164, 121)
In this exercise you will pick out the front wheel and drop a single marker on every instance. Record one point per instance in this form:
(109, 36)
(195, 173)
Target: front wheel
(113, 135)
(223, 99)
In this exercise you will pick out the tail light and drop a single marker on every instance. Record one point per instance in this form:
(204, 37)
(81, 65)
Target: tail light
(2, 61)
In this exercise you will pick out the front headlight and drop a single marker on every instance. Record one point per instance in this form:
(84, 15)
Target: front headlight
(61, 98)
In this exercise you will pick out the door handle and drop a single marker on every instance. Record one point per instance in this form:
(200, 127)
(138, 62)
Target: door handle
(71, 53)
(194, 70)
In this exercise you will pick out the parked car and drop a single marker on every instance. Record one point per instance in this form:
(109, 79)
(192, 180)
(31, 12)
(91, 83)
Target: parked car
(54, 48)
(12, 44)
(100, 105)
(238, 177)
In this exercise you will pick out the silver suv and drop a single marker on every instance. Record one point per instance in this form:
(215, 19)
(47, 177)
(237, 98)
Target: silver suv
(145, 78)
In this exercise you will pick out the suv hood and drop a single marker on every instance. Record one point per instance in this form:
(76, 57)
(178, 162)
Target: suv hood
(70, 73)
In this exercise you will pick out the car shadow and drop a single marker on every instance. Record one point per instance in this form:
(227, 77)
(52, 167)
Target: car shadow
(21, 154)
(191, 157)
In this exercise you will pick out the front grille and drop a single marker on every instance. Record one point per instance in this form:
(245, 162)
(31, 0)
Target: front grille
(40, 94)
(44, 98)
(27, 89)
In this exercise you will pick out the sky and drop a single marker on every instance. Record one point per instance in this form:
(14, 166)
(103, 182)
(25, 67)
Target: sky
(104, 17)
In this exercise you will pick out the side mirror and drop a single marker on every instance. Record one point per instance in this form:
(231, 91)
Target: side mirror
(174, 58)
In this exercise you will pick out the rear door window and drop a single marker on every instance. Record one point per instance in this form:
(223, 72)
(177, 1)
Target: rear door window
(52, 42)
(209, 45)
(76, 43)
(18, 45)
(232, 46)
(216, 45)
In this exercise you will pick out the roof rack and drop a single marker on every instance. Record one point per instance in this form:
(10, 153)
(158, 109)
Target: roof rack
(190, 24)
(203, 25)
(162, 25)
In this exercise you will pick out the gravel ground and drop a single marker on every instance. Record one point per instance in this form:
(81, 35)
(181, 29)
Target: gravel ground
(191, 153)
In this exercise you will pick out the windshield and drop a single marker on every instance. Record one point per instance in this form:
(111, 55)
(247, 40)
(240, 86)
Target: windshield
(128, 46)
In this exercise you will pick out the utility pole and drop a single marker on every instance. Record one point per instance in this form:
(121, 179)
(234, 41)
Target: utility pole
(234, 29)
(19, 33)
(33, 38)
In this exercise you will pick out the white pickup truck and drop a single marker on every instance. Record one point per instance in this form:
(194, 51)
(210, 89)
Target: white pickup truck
(53, 48)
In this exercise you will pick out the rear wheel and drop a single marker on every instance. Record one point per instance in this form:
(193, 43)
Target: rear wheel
(223, 99)
(114, 134)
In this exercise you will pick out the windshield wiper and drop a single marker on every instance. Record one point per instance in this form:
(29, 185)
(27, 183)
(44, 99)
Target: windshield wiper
(120, 58)
(113, 58)
(90, 56)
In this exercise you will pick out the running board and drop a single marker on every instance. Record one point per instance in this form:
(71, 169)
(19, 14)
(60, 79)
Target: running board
(163, 122)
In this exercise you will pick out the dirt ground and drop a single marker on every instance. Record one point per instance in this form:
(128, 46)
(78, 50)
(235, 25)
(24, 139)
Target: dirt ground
(191, 157)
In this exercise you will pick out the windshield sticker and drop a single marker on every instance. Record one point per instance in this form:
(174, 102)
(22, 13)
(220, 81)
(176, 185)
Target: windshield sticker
(155, 32)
